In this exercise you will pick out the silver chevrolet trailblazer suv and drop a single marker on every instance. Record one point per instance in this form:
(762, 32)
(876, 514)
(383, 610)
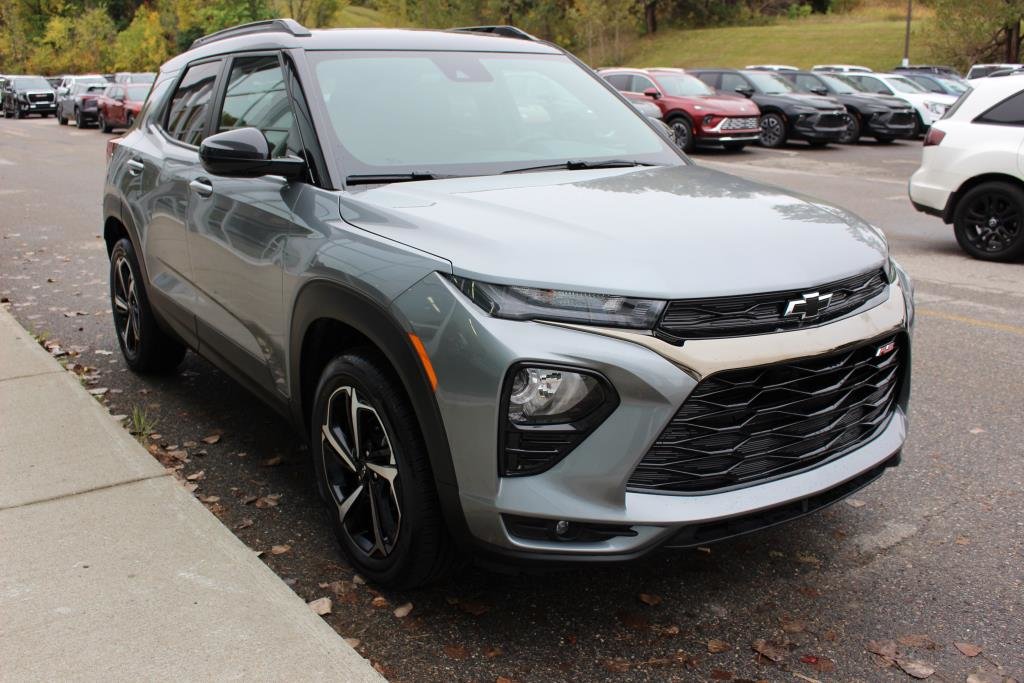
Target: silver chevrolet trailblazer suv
(513, 320)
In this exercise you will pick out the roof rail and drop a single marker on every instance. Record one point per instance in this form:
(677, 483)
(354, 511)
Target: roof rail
(503, 31)
(270, 26)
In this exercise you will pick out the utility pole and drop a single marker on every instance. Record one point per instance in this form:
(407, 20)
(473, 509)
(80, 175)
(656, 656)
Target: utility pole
(906, 38)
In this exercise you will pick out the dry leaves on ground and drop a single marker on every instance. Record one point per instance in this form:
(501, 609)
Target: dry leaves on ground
(321, 606)
(474, 607)
(268, 501)
(493, 651)
(855, 502)
(244, 524)
(916, 667)
(617, 665)
(379, 601)
(794, 625)
(197, 476)
(917, 640)
(968, 649)
(280, 549)
(456, 651)
(402, 611)
(649, 599)
(769, 650)
(211, 439)
(822, 664)
(353, 642)
(715, 646)
(272, 462)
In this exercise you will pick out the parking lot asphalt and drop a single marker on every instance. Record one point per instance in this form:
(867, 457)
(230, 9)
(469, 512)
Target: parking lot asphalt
(929, 556)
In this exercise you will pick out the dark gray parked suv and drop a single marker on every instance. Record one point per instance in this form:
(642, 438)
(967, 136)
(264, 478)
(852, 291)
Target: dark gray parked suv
(512, 319)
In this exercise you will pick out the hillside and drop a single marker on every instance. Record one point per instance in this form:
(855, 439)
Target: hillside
(358, 17)
(872, 39)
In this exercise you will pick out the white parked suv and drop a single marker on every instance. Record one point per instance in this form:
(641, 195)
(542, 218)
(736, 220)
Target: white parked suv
(972, 170)
(929, 106)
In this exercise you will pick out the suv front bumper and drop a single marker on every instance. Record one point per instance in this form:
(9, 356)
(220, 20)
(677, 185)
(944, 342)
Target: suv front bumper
(472, 352)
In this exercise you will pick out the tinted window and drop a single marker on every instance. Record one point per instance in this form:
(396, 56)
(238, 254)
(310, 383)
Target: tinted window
(805, 82)
(619, 81)
(901, 84)
(256, 97)
(33, 83)
(137, 93)
(869, 84)
(732, 81)
(641, 83)
(928, 84)
(190, 105)
(1009, 112)
(770, 84)
(683, 85)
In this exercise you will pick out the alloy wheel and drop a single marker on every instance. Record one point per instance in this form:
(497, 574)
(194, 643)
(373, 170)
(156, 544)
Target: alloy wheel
(126, 305)
(771, 131)
(681, 133)
(993, 222)
(361, 473)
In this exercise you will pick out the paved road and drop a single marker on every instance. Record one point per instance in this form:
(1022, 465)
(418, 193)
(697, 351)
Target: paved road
(935, 548)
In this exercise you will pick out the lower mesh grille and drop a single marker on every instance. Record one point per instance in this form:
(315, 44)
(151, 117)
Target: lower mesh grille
(740, 123)
(740, 427)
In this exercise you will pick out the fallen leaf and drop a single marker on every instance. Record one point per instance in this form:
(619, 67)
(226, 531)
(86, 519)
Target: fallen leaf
(768, 650)
(808, 558)
(474, 607)
(353, 642)
(503, 679)
(855, 502)
(321, 606)
(882, 648)
(720, 675)
(244, 524)
(493, 651)
(968, 649)
(197, 476)
(794, 625)
(618, 665)
(715, 646)
(272, 462)
(649, 599)
(209, 499)
(962, 540)
(280, 549)
(917, 640)
(379, 601)
(633, 620)
(358, 580)
(822, 664)
(191, 487)
(671, 630)
(99, 391)
(402, 611)
(211, 439)
(916, 668)
(977, 430)
(456, 651)
(988, 677)
(269, 501)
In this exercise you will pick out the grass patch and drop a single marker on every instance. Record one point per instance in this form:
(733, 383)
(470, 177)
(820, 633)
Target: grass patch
(358, 17)
(140, 424)
(865, 38)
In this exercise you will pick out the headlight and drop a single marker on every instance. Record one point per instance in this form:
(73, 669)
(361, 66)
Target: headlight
(530, 303)
(543, 395)
(936, 108)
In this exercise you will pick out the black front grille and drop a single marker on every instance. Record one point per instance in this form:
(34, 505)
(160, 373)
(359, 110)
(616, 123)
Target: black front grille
(837, 120)
(901, 118)
(41, 97)
(739, 427)
(749, 314)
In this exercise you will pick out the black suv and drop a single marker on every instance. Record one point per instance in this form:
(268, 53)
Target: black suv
(26, 95)
(786, 113)
(883, 117)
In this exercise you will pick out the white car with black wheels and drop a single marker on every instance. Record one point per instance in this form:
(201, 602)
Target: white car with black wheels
(972, 170)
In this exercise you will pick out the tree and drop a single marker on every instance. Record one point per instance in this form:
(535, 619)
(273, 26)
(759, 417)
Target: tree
(965, 33)
(78, 44)
(310, 13)
(144, 45)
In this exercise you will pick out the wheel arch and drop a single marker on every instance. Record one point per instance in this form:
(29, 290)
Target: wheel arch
(329, 318)
(970, 184)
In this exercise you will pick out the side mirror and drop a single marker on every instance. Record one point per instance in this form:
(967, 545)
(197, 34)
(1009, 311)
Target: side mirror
(245, 153)
(62, 91)
(652, 93)
(745, 90)
(820, 90)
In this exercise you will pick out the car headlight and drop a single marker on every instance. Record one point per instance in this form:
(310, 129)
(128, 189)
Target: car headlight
(936, 108)
(531, 303)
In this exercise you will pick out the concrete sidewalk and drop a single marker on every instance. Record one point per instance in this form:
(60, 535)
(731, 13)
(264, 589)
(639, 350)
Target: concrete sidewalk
(110, 570)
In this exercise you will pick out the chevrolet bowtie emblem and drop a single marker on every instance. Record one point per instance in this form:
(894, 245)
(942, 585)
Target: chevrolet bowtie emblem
(809, 306)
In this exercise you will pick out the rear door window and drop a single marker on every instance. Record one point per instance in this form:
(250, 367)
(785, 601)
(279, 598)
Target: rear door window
(732, 81)
(619, 81)
(189, 111)
(642, 83)
(1009, 112)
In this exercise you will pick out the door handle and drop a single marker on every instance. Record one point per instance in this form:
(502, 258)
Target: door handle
(135, 167)
(202, 187)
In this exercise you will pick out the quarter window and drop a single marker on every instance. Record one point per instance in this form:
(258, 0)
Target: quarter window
(190, 106)
(256, 97)
(1009, 112)
(619, 81)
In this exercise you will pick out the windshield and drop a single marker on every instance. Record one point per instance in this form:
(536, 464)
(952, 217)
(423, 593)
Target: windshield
(769, 84)
(953, 86)
(681, 85)
(141, 78)
(137, 93)
(31, 83)
(838, 85)
(475, 113)
(900, 84)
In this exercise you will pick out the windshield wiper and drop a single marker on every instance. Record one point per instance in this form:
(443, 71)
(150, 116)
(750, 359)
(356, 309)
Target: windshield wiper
(384, 178)
(582, 165)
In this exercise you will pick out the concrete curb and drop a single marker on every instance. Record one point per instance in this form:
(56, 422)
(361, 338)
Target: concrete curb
(110, 570)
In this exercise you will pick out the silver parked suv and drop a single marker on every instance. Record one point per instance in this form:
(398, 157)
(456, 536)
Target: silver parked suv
(513, 320)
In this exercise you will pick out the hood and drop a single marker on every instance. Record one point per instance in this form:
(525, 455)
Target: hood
(724, 104)
(800, 99)
(667, 232)
(869, 100)
(922, 97)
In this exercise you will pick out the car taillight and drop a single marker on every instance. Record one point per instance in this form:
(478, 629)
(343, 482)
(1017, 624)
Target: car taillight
(112, 144)
(934, 136)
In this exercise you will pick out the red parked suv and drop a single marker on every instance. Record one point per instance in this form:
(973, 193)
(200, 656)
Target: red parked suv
(119, 105)
(696, 115)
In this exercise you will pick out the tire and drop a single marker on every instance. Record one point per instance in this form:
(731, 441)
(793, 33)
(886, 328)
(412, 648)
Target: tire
(103, 125)
(79, 119)
(989, 222)
(18, 114)
(393, 470)
(919, 127)
(146, 348)
(817, 144)
(682, 133)
(45, 116)
(60, 119)
(129, 120)
(773, 130)
(733, 146)
(851, 135)
(884, 139)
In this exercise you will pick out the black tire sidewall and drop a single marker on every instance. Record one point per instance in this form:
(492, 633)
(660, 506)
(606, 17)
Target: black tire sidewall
(415, 485)
(1012, 253)
(853, 136)
(782, 128)
(690, 142)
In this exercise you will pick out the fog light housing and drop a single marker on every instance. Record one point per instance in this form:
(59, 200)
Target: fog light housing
(546, 412)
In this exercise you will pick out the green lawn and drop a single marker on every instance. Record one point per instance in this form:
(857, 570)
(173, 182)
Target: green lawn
(872, 42)
(358, 17)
